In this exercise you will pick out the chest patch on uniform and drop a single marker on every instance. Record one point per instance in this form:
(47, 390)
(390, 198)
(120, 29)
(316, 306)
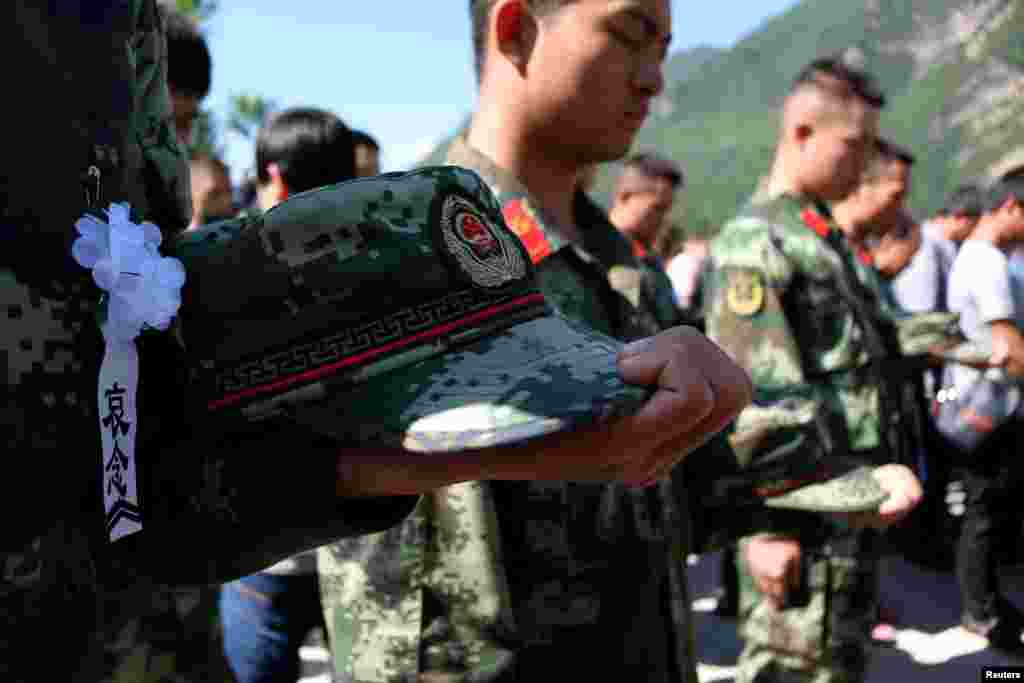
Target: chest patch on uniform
(744, 293)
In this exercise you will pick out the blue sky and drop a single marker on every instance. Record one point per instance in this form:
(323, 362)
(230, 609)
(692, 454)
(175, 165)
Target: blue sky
(400, 69)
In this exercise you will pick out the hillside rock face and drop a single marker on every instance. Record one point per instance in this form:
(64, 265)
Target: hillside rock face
(974, 42)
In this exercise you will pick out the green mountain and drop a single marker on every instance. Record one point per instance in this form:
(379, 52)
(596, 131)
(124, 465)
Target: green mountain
(685, 63)
(953, 71)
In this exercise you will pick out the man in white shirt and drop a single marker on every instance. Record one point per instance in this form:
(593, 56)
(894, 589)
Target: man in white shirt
(922, 285)
(991, 310)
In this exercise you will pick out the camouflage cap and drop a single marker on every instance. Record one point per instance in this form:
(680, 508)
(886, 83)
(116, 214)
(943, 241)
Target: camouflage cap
(849, 489)
(919, 333)
(794, 472)
(975, 352)
(397, 309)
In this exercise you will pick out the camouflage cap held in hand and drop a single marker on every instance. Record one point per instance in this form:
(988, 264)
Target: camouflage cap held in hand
(780, 463)
(920, 332)
(397, 309)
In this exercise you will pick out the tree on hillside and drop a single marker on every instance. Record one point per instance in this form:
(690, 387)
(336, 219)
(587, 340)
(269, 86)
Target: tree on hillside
(248, 112)
(206, 136)
(200, 10)
(206, 131)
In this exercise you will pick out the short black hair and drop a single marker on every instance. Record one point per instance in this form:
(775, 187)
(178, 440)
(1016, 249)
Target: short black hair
(1015, 172)
(1002, 191)
(480, 13)
(361, 138)
(965, 200)
(654, 166)
(860, 83)
(189, 66)
(891, 150)
(886, 153)
(311, 147)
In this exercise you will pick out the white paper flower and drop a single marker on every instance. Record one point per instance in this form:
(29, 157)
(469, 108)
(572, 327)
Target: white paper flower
(143, 287)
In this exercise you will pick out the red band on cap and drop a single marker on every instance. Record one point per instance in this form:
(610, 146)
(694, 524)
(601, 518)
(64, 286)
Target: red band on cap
(787, 485)
(481, 316)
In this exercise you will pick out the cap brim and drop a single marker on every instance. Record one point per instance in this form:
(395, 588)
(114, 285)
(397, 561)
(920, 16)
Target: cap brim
(538, 377)
(854, 491)
(969, 353)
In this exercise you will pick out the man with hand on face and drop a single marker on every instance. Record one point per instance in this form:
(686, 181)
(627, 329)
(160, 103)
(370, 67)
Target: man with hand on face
(790, 305)
(212, 198)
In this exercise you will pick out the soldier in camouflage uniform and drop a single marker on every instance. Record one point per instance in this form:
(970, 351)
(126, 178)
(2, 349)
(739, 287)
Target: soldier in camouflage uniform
(178, 638)
(644, 196)
(103, 105)
(785, 277)
(517, 581)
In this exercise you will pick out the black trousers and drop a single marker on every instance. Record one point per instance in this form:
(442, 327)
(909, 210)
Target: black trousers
(992, 517)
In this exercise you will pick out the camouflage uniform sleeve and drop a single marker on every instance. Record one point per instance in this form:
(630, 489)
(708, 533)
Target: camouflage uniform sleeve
(166, 163)
(745, 317)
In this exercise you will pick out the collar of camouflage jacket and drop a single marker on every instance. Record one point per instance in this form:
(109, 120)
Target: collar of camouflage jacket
(817, 217)
(602, 244)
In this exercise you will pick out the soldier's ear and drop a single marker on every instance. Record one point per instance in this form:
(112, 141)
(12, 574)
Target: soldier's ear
(275, 190)
(515, 31)
(803, 132)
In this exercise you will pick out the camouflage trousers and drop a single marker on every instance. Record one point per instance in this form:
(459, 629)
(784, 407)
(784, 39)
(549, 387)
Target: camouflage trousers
(425, 599)
(822, 636)
(177, 640)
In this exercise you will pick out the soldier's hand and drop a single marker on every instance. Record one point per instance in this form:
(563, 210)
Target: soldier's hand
(699, 390)
(774, 564)
(904, 491)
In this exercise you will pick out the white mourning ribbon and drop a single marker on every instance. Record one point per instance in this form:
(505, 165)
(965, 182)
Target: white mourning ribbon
(143, 289)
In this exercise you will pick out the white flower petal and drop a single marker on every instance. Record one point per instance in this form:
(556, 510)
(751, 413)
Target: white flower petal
(104, 274)
(152, 234)
(85, 252)
(144, 287)
(89, 227)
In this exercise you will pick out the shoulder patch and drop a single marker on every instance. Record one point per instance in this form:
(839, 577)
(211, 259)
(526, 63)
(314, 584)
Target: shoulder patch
(744, 291)
(816, 222)
(527, 228)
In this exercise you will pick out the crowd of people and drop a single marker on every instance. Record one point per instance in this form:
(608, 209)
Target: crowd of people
(810, 376)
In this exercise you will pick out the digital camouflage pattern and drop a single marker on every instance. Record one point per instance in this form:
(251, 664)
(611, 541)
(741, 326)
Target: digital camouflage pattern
(57, 583)
(430, 588)
(567, 549)
(921, 332)
(565, 543)
(768, 261)
(776, 308)
(411, 279)
(822, 639)
(850, 489)
(177, 640)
